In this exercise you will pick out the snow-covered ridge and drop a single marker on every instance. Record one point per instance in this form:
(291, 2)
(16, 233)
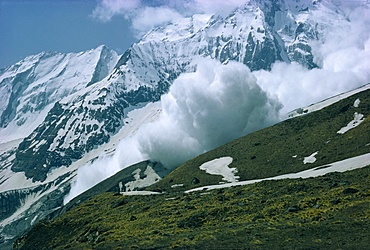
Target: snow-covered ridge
(178, 30)
(327, 102)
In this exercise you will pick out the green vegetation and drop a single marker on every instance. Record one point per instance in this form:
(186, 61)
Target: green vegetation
(328, 212)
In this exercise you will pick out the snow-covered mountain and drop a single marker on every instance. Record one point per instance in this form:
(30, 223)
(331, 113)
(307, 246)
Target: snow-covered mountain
(61, 111)
(31, 87)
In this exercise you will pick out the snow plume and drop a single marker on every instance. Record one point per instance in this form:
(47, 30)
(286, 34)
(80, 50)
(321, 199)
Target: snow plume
(296, 86)
(344, 40)
(202, 110)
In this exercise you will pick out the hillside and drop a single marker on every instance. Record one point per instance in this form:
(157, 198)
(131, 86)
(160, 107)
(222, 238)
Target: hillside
(282, 148)
(326, 212)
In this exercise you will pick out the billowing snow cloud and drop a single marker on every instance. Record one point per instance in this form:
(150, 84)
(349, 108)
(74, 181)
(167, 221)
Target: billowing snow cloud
(297, 86)
(202, 110)
(205, 109)
(344, 42)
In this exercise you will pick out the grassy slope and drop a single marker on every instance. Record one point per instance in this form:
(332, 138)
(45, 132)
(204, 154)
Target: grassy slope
(269, 152)
(328, 212)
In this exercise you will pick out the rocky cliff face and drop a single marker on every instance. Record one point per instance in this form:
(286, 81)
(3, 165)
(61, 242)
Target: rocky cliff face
(64, 108)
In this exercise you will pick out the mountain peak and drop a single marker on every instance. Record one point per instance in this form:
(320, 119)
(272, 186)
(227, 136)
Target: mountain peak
(177, 30)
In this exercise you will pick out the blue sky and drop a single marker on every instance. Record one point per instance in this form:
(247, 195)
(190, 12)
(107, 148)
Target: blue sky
(31, 26)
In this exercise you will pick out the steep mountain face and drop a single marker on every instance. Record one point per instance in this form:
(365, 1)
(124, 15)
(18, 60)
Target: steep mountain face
(32, 86)
(59, 111)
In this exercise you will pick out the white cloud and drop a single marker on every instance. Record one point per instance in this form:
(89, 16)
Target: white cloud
(214, 6)
(150, 17)
(349, 35)
(106, 9)
(142, 16)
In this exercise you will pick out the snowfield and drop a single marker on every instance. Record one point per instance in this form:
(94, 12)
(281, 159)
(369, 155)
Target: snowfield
(136, 116)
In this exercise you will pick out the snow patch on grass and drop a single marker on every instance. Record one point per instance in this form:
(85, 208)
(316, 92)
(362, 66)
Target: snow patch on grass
(151, 177)
(177, 185)
(311, 158)
(220, 166)
(140, 193)
(339, 166)
(356, 103)
(358, 118)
